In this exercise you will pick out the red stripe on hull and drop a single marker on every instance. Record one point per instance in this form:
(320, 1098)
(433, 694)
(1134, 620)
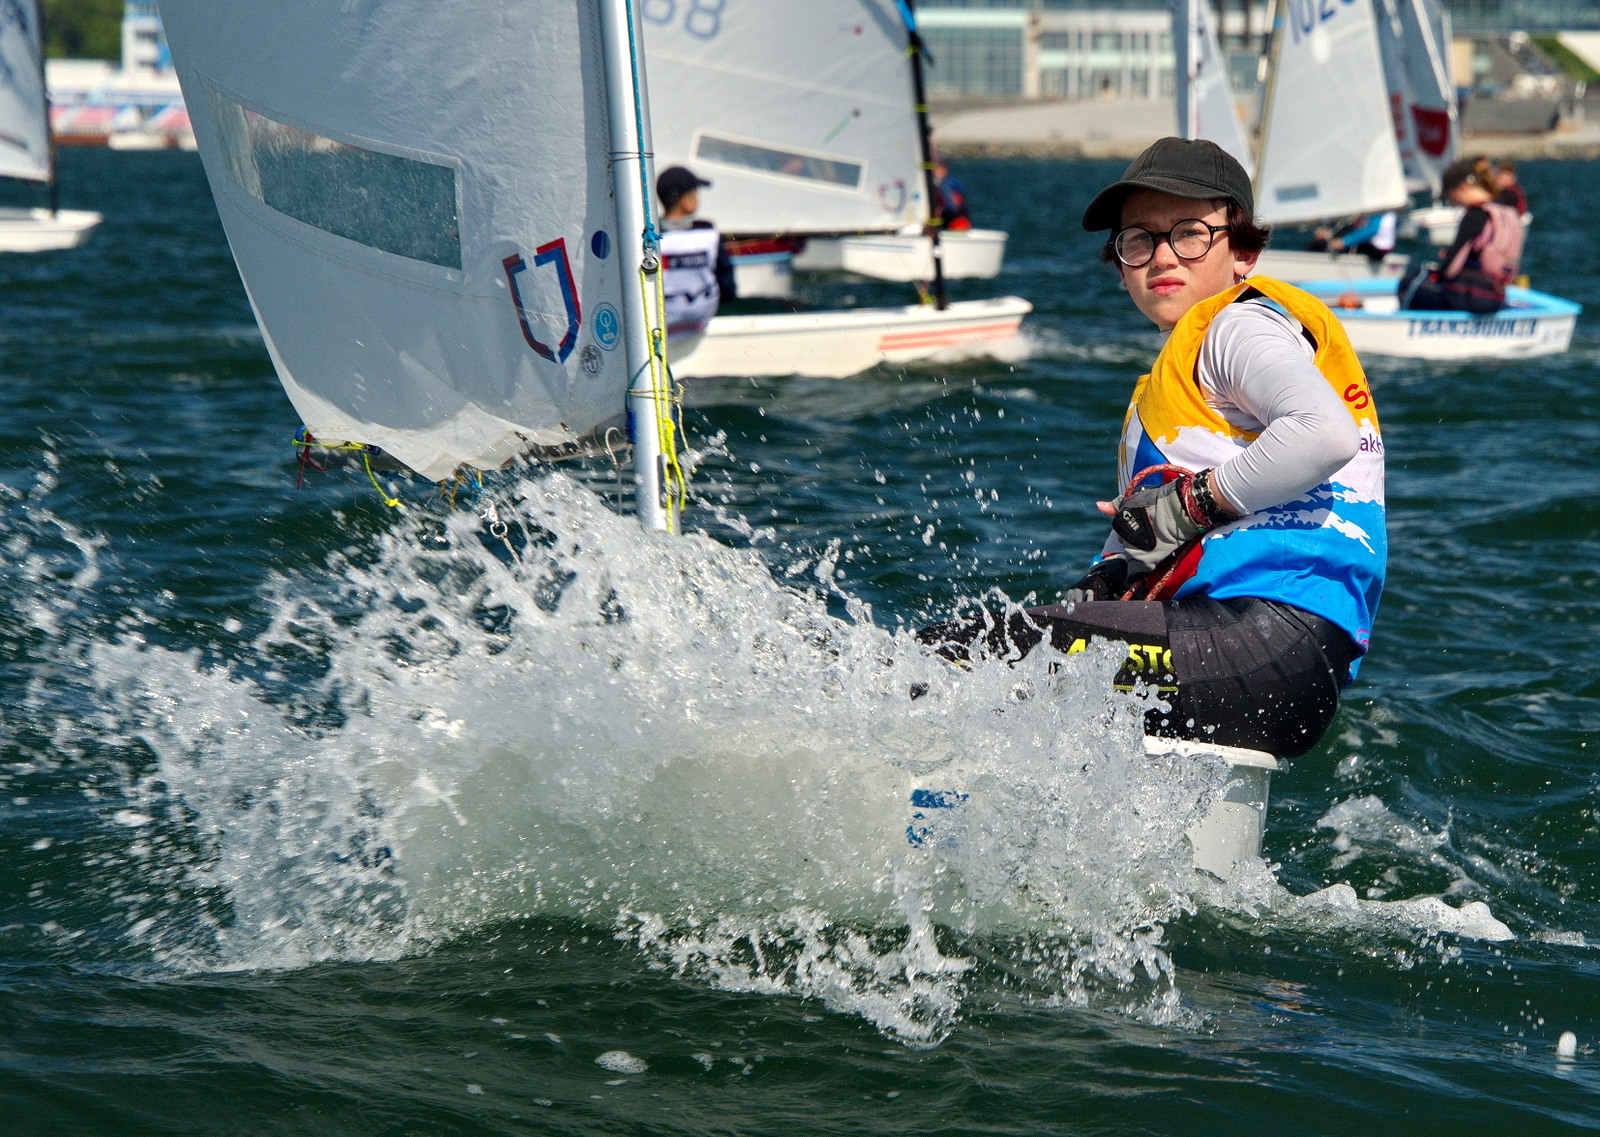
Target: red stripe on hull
(947, 337)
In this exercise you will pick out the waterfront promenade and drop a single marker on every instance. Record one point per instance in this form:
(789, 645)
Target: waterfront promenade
(1120, 128)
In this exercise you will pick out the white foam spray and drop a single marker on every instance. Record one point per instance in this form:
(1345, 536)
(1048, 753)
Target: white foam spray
(659, 735)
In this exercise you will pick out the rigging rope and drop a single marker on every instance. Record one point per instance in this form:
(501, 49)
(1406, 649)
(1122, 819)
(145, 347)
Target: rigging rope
(663, 392)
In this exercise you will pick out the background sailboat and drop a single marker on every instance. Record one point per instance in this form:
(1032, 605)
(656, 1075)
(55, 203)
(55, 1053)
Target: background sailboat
(27, 152)
(443, 233)
(1422, 99)
(804, 115)
(1328, 149)
(804, 118)
(1205, 103)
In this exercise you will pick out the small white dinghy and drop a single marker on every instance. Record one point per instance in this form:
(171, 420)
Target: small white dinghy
(742, 108)
(974, 254)
(40, 230)
(762, 269)
(1230, 832)
(837, 344)
(1437, 224)
(1295, 265)
(27, 148)
(1532, 323)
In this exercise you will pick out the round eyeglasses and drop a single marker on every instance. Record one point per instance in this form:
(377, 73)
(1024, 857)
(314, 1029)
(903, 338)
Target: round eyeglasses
(1190, 240)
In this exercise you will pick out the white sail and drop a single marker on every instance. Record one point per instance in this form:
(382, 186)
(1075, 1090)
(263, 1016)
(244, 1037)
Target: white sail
(1422, 98)
(1327, 144)
(24, 130)
(800, 114)
(1205, 104)
(418, 198)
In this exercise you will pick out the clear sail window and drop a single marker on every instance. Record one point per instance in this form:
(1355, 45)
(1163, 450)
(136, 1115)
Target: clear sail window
(400, 205)
(785, 163)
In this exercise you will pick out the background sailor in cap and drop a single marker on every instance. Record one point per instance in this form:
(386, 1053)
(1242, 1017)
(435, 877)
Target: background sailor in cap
(698, 277)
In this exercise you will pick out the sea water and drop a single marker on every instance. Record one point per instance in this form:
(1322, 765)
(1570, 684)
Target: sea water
(492, 814)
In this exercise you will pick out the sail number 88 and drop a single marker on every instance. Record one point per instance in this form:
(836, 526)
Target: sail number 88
(701, 18)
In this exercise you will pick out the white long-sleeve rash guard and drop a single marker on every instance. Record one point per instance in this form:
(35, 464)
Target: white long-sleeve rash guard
(1256, 372)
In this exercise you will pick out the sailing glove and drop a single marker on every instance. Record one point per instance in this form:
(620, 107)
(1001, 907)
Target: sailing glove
(1107, 580)
(1155, 522)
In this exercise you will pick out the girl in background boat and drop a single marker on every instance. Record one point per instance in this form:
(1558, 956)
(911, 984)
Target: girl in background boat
(1247, 550)
(1472, 274)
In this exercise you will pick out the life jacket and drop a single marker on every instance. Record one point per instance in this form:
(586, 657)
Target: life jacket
(1499, 246)
(1323, 552)
(1496, 251)
(690, 281)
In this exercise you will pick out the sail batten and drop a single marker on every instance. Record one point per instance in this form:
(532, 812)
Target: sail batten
(801, 115)
(1328, 146)
(419, 202)
(24, 125)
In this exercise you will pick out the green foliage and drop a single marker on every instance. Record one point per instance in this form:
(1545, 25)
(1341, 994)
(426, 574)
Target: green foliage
(1572, 65)
(83, 29)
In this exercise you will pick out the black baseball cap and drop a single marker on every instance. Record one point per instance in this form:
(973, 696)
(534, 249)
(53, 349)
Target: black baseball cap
(1184, 167)
(675, 181)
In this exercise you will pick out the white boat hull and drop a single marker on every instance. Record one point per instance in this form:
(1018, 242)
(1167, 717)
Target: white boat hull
(1229, 834)
(967, 254)
(38, 230)
(1532, 324)
(1437, 224)
(1295, 265)
(763, 275)
(833, 345)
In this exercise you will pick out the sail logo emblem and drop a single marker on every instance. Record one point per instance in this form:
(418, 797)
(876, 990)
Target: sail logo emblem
(607, 326)
(1433, 130)
(543, 290)
(893, 202)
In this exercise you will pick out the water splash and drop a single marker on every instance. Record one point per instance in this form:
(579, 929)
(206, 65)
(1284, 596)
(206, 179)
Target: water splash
(446, 729)
(660, 734)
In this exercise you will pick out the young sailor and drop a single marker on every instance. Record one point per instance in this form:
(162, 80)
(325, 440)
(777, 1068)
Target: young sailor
(1250, 531)
(1371, 235)
(698, 277)
(1485, 256)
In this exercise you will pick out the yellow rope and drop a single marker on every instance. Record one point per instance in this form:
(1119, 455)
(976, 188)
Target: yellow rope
(366, 461)
(664, 395)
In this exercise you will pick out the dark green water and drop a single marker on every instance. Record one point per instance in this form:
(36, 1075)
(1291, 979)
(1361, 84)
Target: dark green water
(285, 849)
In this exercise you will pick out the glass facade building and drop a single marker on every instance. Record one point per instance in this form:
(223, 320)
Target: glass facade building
(1079, 49)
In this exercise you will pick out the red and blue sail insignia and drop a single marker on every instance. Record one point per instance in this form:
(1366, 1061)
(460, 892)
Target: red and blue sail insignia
(551, 253)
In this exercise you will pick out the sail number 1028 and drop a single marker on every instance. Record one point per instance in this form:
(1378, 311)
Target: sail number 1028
(1305, 15)
(701, 18)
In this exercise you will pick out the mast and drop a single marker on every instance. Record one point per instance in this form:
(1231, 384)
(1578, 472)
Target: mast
(44, 94)
(916, 49)
(656, 477)
(1274, 46)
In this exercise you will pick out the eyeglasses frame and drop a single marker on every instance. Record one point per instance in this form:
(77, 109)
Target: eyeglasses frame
(1157, 238)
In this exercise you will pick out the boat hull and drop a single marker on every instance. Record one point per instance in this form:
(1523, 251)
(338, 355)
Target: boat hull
(1295, 265)
(833, 345)
(765, 275)
(967, 254)
(1437, 224)
(1229, 834)
(37, 230)
(1532, 324)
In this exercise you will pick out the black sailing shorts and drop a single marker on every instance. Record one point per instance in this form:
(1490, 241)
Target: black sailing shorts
(1245, 672)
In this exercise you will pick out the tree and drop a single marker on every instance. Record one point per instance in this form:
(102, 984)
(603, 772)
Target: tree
(83, 29)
